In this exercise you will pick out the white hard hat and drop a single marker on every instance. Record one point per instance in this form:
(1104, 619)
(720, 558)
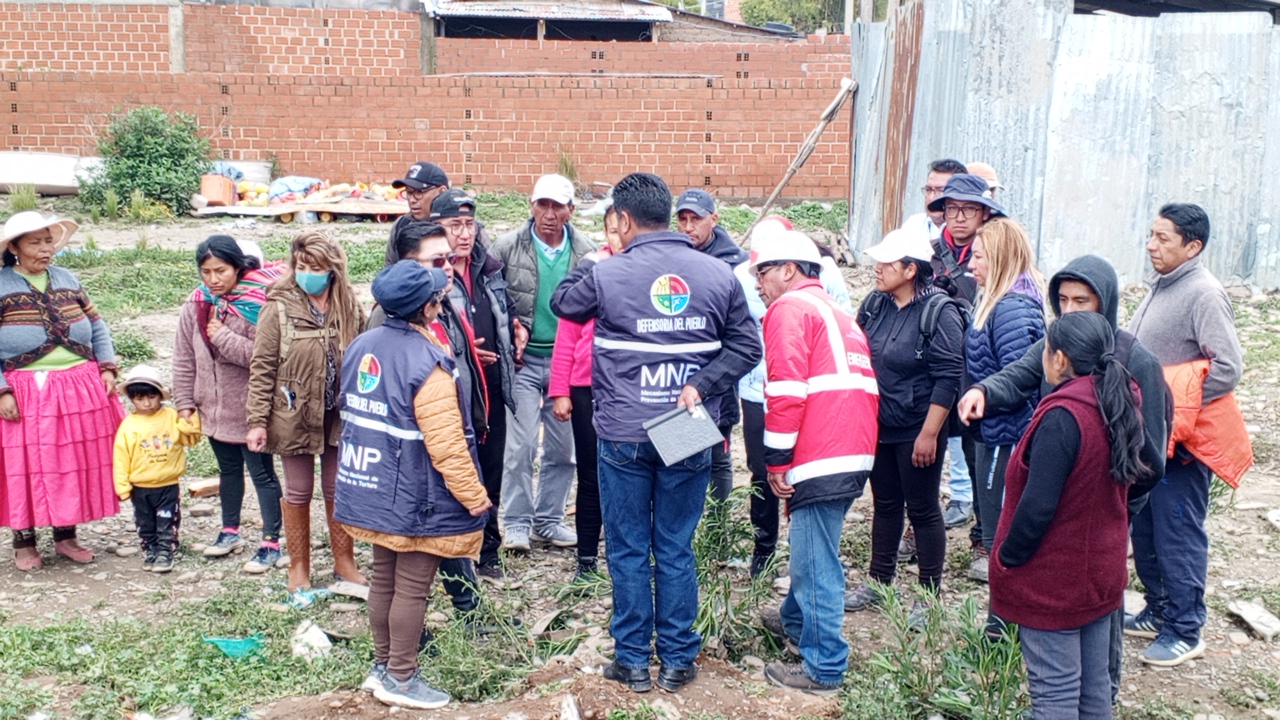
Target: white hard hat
(902, 243)
(779, 247)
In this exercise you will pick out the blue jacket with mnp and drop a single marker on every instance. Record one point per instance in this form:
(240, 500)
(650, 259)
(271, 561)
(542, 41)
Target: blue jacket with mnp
(386, 482)
(666, 316)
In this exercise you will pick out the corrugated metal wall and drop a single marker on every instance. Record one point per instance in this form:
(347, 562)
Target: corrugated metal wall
(1093, 122)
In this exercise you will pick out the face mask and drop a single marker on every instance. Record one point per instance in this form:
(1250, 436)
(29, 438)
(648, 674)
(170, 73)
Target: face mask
(313, 283)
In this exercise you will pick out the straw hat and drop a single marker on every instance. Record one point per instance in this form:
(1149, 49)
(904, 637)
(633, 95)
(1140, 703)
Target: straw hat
(30, 221)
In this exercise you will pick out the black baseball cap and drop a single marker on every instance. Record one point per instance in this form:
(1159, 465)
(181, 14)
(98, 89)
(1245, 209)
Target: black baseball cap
(453, 203)
(422, 175)
(699, 201)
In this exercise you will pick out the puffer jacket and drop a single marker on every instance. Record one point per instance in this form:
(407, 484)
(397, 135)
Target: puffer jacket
(516, 251)
(294, 419)
(1015, 324)
(1213, 432)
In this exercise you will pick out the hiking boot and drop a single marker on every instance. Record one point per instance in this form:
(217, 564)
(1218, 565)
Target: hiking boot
(149, 561)
(164, 561)
(918, 616)
(907, 547)
(771, 619)
(516, 537)
(262, 561)
(862, 597)
(980, 566)
(376, 677)
(491, 572)
(671, 679)
(958, 513)
(413, 693)
(559, 535)
(635, 678)
(227, 543)
(793, 676)
(1171, 651)
(1144, 625)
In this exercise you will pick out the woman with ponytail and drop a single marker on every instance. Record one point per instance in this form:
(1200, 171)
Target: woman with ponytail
(1058, 566)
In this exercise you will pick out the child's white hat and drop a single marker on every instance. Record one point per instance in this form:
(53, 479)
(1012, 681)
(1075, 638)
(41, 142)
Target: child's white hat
(145, 375)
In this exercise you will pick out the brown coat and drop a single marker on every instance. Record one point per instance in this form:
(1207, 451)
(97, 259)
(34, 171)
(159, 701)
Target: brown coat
(295, 428)
(214, 386)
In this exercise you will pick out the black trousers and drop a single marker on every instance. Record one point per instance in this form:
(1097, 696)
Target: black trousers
(588, 522)
(722, 466)
(896, 482)
(157, 514)
(233, 458)
(491, 452)
(764, 504)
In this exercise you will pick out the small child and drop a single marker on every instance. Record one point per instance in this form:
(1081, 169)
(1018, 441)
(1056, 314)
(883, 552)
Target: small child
(150, 456)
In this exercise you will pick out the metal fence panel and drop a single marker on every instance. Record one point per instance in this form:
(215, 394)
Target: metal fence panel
(871, 57)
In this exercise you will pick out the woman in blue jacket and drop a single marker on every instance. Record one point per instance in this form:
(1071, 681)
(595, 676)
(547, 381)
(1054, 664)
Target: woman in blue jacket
(1008, 319)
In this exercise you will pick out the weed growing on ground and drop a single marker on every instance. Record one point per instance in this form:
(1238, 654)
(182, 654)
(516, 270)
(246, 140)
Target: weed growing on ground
(201, 461)
(23, 198)
(132, 347)
(729, 600)
(643, 711)
(489, 657)
(1222, 497)
(810, 215)
(111, 203)
(511, 208)
(144, 210)
(131, 282)
(1155, 710)
(19, 698)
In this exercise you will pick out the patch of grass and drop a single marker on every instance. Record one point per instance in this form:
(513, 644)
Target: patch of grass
(810, 215)
(736, 219)
(508, 207)
(1155, 710)
(130, 282)
(643, 711)
(111, 203)
(473, 666)
(132, 347)
(23, 197)
(729, 599)
(201, 461)
(19, 698)
(159, 665)
(364, 259)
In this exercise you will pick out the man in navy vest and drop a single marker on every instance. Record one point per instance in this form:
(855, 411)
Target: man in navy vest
(672, 329)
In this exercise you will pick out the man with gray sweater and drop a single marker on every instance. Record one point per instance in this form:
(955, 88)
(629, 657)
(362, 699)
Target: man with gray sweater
(1186, 316)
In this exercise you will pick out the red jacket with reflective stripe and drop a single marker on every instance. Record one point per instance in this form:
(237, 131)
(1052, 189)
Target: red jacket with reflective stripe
(820, 395)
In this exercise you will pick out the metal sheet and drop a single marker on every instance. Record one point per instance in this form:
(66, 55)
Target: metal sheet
(872, 65)
(907, 31)
(581, 10)
(1267, 228)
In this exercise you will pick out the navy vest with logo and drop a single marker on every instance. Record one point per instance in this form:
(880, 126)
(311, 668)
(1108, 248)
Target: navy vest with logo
(386, 482)
(662, 312)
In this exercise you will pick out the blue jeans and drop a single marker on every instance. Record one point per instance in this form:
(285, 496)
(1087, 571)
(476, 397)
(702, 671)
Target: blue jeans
(958, 472)
(1068, 671)
(814, 608)
(1171, 547)
(650, 511)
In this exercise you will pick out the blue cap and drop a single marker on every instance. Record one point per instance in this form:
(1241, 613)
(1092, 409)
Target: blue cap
(402, 289)
(699, 201)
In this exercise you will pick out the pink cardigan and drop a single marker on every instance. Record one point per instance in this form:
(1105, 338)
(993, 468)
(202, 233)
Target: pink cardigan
(571, 355)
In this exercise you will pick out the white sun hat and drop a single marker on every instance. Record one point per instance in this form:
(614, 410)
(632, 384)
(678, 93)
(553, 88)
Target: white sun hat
(30, 221)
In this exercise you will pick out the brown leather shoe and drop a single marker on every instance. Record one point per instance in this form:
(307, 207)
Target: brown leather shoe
(344, 550)
(297, 532)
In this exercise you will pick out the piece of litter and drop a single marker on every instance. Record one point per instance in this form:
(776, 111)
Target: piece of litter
(310, 642)
(237, 647)
(1266, 625)
(350, 589)
(304, 598)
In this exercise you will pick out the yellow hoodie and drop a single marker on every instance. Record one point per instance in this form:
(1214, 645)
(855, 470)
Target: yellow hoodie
(151, 450)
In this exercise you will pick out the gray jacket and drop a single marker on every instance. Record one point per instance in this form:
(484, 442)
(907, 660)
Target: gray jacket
(1188, 316)
(516, 251)
(28, 334)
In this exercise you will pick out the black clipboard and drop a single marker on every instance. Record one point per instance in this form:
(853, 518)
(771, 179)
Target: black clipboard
(680, 433)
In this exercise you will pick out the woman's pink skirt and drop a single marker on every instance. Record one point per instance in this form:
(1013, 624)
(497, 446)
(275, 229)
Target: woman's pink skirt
(56, 459)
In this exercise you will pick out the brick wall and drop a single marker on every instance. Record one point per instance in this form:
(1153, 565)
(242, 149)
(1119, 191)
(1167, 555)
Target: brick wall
(84, 37)
(259, 84)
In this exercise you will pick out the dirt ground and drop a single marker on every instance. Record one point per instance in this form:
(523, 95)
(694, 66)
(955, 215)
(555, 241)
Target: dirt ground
(1245, 559)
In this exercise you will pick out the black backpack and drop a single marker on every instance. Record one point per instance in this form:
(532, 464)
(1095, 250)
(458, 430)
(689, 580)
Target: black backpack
(933, 305)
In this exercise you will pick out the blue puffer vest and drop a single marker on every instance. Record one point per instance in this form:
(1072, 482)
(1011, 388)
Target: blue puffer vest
(1015, 324)
(386, 482)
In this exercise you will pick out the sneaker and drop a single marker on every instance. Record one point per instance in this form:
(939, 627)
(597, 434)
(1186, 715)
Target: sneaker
(262, 561)
(491, 572)
(588, 572)
(516, 538)
(671, 680)
(374, 680)
(1145, 624)
(164, 561)
(759, 563)
(635, 678)
(918, 616)
(413, 693)
(958, 513)
(907, 547)
(1171, 651)
(150, 560)
(980, 566)
(862, 597)
(771, 619)
(559, 535)
(793, 676)
(227, 543)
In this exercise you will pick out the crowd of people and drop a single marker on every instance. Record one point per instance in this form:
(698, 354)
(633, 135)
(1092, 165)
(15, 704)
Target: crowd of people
(451, 420)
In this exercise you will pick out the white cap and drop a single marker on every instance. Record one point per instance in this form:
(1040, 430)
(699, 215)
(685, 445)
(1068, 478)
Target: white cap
(145, 375)
(902, 243)
(778, 247)
(553, 187)
(252, 249)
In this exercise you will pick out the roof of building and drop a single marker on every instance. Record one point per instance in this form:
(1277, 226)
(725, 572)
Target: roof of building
(600, 10)
(1157, 7)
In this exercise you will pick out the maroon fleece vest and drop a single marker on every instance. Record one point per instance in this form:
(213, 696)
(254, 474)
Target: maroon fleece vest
(1079, 573)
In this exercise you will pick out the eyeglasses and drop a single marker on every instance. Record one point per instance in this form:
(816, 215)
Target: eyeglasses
(764, 268)
(931, 191)
(440, 262)
(968, 212)
(459, 226)
(417, 194)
